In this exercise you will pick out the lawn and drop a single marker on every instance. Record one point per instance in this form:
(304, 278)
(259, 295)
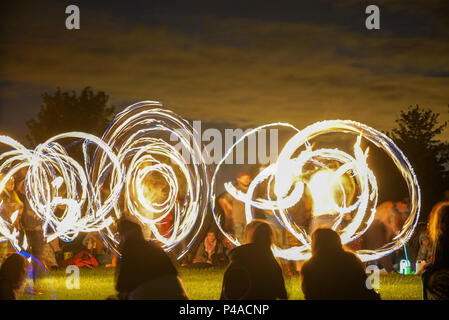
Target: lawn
(200, 285)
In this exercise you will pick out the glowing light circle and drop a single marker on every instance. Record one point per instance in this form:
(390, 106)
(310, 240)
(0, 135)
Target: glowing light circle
(70, 197)
(143, 136)
(58, 189)
(289, 183)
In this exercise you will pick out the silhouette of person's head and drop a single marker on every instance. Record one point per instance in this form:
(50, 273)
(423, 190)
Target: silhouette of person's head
(129, 230)
(14, 270)
(325, 241)
(259, 232)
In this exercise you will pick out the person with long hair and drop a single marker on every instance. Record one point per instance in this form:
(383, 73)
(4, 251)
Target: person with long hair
(435, 278)
(145, 271)
(12, 276)
(211, 252)
(253, 272)
(333, 272)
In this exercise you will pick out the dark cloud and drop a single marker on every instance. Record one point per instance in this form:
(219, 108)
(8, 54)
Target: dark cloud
(225, 65)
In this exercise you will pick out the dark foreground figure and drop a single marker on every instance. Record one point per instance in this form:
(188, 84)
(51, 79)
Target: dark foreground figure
(145, 270)
(334, 273)
(253, 272)
(436, 277)
(12, 276)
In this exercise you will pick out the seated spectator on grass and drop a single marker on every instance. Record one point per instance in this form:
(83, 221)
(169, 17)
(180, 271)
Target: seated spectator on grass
(426, 250)
(436, 276)
(97, 248)
(12, 276)
(332, 273)
(386, 225)
(145, 270)
(83, 259)
(211, 252)
(254, 273)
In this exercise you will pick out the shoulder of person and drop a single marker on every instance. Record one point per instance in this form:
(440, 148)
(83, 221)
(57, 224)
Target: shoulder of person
(348, 254)
(239, 249)
(242, 251)
(352, 258)
(306, 266)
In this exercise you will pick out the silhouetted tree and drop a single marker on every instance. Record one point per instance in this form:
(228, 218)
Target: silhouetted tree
(67, 111)
(416, 133)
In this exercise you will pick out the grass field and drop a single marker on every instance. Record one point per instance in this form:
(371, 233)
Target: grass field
(98, 284)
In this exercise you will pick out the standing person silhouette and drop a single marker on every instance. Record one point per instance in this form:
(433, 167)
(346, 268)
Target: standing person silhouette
(32, 227)
(234, 209)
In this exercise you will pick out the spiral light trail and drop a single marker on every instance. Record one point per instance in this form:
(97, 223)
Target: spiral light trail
(133, 171)
(289, 178)
(143, 136)
(58, 189)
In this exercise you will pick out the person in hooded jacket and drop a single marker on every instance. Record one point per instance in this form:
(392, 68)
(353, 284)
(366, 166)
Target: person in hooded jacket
(253, 272)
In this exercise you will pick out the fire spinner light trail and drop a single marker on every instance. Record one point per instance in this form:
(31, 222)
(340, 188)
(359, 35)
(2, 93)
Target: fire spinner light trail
(116, 179)
(143, 136)
(58, 189)
(137, 172)
(289, 177)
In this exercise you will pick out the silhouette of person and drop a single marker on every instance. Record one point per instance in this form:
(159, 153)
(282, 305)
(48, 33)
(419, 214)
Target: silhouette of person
(386, 225)
(235, 209)
(435, 278)
(253, 273)
(12, 276)
(32, 227)
(145, 270)
(333, 273)
(10, 211)
(10, 203)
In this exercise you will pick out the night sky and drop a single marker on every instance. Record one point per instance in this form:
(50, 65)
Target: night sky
(244, 63)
